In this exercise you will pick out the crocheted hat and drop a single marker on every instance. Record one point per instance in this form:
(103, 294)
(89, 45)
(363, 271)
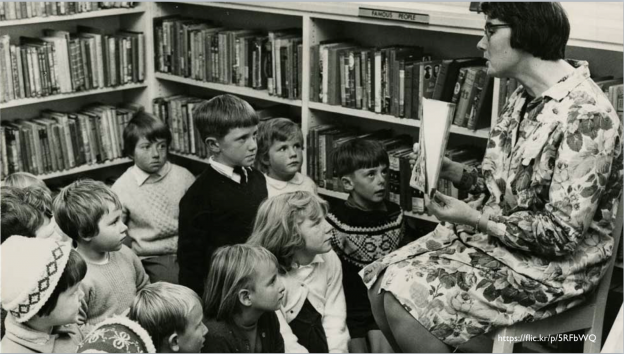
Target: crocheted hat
(31, 268)
(117, 335)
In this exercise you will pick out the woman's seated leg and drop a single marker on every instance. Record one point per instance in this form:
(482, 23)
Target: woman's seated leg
(409, 334)
(378, 342)
(377, 306)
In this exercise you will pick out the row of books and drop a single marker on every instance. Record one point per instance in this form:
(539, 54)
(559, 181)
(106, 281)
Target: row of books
(64, 62)
(177, 112)
(209, 52)
(17, 10)
(393, 80)
(322, 140)
(58, 141)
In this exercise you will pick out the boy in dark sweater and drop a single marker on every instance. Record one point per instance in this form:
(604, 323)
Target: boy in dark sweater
(220, 207)
(366, 228)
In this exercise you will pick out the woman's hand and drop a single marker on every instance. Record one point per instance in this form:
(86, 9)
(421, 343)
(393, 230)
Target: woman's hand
(452, 210)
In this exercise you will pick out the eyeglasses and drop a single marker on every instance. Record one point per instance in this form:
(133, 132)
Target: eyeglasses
(489, 29)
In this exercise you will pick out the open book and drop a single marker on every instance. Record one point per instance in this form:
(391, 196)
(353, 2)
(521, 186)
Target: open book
(434, 133)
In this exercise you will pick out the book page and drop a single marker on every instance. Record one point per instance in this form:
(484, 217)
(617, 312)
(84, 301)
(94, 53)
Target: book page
(434, 132)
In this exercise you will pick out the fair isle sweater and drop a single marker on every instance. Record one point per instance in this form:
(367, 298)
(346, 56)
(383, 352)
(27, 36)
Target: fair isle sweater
(110, 288)
(151, 208)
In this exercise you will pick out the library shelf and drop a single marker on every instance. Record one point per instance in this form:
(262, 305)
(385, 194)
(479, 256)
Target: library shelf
(64, 96)
(233, 89)
(85, 168)
(480, 133)
(74, 17)
(409, 214)
(189, 156)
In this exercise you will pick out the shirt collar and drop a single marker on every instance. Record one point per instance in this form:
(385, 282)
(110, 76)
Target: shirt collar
(561, 89)
(23, 335)
(225, 170)
(316, 259)
(277, 184)
(141, 176)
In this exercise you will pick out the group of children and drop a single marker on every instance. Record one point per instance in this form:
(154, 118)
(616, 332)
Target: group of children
(245, 258)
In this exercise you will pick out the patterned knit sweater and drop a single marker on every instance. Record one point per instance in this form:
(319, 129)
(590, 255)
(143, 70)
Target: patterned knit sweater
(360, 237)
(110, 288)
(151, 210)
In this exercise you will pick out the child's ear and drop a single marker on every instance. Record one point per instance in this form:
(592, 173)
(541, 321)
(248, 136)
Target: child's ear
(244, 296)
(173, 342)
(347, 183)
(213, 145)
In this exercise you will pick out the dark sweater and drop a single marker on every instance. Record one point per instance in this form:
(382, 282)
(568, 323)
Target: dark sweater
(223, 337)
(214, 212)
(359, 238)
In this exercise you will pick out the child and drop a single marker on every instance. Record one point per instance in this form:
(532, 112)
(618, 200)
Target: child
(150, 192)
(280, 146)
(221, 205)
(242, 294)
(366, 227)
(90, 214)
(172, 315)
(23, 180)
(26, 212)
(41, 292)
(292, 226)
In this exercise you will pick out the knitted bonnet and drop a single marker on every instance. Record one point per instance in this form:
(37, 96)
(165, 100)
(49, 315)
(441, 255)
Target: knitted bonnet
(117, 335)
(31, 268)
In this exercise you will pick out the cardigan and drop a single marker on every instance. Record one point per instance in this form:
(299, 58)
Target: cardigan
(151, 208)
(214, 212)
(321, 283)
(224, 337)
(20, 338)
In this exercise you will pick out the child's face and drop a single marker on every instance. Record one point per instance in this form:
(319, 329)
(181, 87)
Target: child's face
(150, 156)
(317, 235)
(112, 231)
(67, 306)
(269, 289)
(369, 185)
(192, 340)
(285, 158)
(238, 147)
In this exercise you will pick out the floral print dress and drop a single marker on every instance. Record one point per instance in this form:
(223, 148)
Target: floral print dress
(551, 183)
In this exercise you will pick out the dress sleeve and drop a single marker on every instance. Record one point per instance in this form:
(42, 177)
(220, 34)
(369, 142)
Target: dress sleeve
(335, 316)
(588, 155)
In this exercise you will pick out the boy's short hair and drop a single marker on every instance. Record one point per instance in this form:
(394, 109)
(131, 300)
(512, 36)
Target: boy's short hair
(74, 272)
(79, 207)
(23, 180)
(163, 308)
(39, 198)
(232, 269)
(357, 154)
(18, 216)
(144, 125)
(216, 117)
(277, 129)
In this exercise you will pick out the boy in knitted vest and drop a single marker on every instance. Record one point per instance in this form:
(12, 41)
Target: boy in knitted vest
(366, 227)
(41, 292)
(150, 192)
(90, 214)
(220, 207)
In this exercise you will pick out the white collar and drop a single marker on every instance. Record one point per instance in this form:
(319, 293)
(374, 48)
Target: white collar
(225, 170)
(141, 176)
(277, 184)
(317, 259)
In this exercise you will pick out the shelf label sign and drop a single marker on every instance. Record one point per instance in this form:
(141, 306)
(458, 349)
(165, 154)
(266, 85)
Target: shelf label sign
(393, 15)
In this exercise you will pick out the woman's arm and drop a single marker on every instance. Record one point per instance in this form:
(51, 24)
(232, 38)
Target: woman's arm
(587, 155)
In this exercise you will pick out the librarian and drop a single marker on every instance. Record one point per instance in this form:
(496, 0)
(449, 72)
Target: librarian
(536, 235)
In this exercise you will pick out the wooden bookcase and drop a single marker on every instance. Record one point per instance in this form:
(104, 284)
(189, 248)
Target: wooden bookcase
(452, 31)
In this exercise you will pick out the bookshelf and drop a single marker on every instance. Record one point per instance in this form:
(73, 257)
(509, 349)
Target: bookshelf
(452, 32)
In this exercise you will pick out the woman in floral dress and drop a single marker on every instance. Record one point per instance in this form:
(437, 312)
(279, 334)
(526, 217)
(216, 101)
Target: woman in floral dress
(547, 192)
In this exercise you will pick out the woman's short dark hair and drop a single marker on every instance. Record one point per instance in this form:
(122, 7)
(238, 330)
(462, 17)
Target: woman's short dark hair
(144, 125)
(74, 272)
(539, 28)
